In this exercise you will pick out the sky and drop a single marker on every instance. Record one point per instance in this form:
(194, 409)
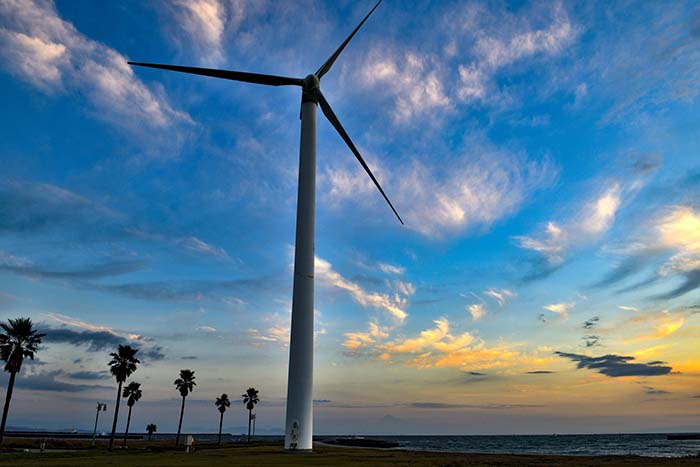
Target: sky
(544, 156)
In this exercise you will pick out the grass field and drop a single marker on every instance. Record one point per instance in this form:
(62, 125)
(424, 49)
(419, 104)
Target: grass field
(268, 455)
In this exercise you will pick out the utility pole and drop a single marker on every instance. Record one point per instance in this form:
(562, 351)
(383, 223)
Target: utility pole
(100, 407)
(254, 417)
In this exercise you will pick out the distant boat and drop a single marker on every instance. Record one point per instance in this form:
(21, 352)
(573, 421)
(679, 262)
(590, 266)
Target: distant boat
(683, 436)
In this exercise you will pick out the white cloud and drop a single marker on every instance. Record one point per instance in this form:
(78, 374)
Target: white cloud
(346, 184)
(496, 53)
(500, 295)
(425, 85)
(599, 215)
(200, 246)
(205, 24)
(472, 83)
(679, 230)
(38, 61)
(477, 310)
(70, 321)
(391, 269)
(594, 218)
(276, 335)
(628, 308)
(561, 309)
(394, 304)
(38, 46)
(499, 49)
(207, 329)
(474, 188)
(412, 79)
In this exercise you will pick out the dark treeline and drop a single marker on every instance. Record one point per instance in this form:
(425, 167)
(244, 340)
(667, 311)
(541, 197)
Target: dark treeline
(19, 339)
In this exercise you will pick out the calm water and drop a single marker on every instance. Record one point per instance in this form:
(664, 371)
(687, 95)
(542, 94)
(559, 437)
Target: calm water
(654, 445)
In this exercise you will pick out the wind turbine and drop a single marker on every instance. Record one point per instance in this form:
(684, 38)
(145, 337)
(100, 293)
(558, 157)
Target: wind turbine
(299, 420)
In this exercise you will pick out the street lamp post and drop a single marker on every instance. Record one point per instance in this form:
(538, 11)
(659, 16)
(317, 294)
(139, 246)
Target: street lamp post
(100, 407)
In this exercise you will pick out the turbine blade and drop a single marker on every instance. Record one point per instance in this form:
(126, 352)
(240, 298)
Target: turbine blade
(330, 115)
(270, 80)
(325, 68)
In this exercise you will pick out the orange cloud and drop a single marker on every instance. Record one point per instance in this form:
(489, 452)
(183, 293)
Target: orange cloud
(437, 347)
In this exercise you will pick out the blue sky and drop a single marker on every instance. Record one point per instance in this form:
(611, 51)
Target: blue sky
(544, 156)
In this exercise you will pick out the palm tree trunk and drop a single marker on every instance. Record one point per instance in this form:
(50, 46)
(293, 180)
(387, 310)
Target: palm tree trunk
(221, 421)
(250, 414)
(6, 409)
(116, 415)
(179, 426)
(128, 421)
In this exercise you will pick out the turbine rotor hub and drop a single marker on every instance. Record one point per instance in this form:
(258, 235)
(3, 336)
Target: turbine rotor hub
(310, 89)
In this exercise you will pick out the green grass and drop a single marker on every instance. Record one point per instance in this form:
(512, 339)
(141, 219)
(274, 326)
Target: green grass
(269, 455)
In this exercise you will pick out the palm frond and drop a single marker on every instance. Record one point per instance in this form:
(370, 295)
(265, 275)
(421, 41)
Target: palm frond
(19, 340)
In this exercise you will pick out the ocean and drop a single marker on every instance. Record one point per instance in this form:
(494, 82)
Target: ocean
(650, 445)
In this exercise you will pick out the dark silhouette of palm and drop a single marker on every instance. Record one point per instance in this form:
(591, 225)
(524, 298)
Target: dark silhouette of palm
(133, 392)
(122, 365)
(18, 340)
(185, 384)
(222, 403)
(250, 398)
(151, 428)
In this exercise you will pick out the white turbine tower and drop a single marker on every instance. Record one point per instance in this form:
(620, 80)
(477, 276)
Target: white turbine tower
(299, 422)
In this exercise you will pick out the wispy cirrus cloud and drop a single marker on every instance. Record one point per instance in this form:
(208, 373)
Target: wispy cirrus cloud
(53, 381)
(427, 82)
(411, 78)
(562, 309)
(392, 303)
(40, 47)
(475, 188)
(670, 241)
(498, 50)
(500, 295)
(477, 310)
(595, 218)
(205, 25)
(391, 269)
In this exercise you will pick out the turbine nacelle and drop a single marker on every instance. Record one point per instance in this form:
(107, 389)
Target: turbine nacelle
(311, 89)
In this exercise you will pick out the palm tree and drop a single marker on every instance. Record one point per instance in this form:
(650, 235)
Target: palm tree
(151, 428)
(250, 398)
(222, 403)
(18, 340)
(185, 384)
(122, 365)
(133, 392)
